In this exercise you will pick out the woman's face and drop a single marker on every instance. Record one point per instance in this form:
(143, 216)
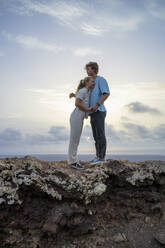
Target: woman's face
(91, 83)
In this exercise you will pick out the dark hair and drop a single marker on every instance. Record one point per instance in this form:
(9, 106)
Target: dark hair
(93, 65)
(83, 83)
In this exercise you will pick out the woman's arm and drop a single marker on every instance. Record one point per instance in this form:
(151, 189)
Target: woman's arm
(78, 103)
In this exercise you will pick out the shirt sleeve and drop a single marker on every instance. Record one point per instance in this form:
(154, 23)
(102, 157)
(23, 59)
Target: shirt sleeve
(104, 88)
(80, 94)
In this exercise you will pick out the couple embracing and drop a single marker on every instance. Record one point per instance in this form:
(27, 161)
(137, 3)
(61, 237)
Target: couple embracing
(91, 93)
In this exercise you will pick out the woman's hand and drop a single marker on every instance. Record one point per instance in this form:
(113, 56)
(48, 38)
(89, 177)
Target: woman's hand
(94, 108)
(90, 109)
(72, 95)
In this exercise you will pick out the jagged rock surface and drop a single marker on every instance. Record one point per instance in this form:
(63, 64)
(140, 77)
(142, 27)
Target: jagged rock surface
(114, 204)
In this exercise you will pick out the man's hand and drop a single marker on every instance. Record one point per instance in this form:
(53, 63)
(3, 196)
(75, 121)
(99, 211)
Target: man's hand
(72, 95)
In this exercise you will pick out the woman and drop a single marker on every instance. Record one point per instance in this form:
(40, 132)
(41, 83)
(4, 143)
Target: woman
(77, 118)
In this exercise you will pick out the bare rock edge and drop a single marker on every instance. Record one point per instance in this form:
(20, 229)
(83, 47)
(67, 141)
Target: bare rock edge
(113, 204)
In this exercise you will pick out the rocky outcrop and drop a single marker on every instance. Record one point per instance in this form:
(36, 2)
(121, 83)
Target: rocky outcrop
(114, 204)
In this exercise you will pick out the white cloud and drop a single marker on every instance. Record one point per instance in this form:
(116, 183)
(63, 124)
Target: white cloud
(33, 42)
(114, 16)
(110, 22)
(92, 29)
(65, 12)
(82, 52)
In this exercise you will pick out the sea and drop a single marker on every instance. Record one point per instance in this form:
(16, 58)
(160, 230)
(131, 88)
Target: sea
(88, 157)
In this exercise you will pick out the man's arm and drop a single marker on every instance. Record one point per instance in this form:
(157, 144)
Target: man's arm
(102, 99)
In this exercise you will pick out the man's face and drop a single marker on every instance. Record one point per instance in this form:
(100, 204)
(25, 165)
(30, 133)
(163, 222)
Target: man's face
(90, 71)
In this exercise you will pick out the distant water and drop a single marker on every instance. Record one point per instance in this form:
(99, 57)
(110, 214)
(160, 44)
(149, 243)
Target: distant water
(87, 157)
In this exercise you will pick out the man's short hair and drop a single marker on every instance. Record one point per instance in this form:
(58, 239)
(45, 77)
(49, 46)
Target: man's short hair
(93, 65)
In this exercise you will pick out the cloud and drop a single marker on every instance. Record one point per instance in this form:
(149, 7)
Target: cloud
(115, 23)
(92, 29)
(82, 52)
(138, 131)
(31, 42)
(159, 132)
(56, 134)
(59, 133)
(156, 8)
(111, 134)
(34, 43)
(139, 134)
(114, 16)
(131, 135)
(136, 136)
(64, 11)
(125, 119)
(137, 107)
(10, 135)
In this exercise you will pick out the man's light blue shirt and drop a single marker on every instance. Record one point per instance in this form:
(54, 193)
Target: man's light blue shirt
(101, 86)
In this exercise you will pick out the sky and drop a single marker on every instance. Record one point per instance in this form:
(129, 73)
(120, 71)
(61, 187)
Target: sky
(44, 47)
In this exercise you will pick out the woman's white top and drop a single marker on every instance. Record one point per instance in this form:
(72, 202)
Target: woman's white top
(84, 95)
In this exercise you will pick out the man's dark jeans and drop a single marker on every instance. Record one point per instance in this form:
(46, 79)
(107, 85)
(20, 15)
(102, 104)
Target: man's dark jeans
(98, 128)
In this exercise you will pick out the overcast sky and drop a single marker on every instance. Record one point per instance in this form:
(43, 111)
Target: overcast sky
(44, 46)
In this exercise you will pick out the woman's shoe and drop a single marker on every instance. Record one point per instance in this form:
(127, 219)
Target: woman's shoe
(77, 166)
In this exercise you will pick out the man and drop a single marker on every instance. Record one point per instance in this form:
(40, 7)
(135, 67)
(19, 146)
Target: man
(98, 95)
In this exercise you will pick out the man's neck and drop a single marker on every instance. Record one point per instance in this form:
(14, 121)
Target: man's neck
(94, 76)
